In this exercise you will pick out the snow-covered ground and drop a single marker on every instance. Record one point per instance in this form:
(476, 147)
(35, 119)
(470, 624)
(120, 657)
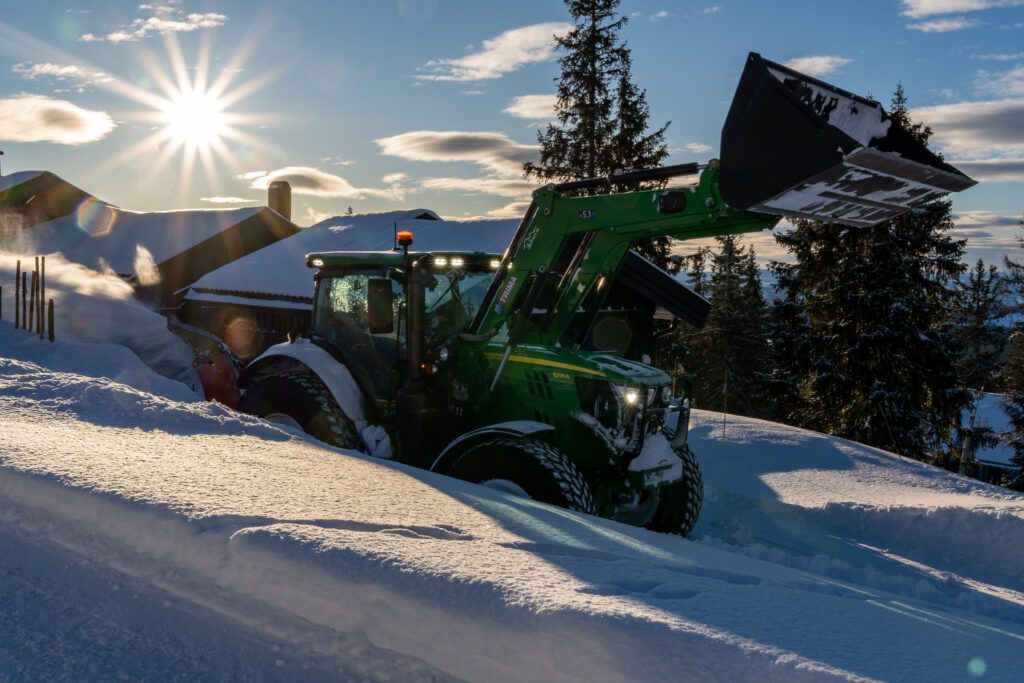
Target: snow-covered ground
(815, 558)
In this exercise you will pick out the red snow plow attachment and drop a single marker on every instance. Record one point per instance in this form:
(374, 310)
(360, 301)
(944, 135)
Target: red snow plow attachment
(796, 146)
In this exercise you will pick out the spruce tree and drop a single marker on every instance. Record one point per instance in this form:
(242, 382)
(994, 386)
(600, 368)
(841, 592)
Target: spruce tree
(695, 266)
(601, 114)
(725, 359)
(979, 307)
(1013, 372)
(876, 358)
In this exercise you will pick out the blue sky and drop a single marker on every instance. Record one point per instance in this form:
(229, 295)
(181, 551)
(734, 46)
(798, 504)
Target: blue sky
(402, 103)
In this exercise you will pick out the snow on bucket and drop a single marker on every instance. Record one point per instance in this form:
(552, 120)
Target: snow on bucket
(796, 146)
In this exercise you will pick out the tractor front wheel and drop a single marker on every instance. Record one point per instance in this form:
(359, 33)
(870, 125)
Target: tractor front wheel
(525, 467)
(301, 400)
(679, 503)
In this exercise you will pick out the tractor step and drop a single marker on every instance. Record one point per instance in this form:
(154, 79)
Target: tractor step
(793, 145)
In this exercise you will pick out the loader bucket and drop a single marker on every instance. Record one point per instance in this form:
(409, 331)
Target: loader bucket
(795, 146)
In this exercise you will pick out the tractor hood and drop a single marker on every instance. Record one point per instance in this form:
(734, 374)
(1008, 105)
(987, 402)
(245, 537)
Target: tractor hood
(619, 371)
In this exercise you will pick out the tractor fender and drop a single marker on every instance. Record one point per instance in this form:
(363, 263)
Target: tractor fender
(307, 355)
(517, 429)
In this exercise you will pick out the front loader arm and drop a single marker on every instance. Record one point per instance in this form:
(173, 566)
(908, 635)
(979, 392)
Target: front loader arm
(568, 249)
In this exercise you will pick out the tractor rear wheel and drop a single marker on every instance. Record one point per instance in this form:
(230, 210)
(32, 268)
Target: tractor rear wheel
(303, 400)
(525, 467)
(679, 503)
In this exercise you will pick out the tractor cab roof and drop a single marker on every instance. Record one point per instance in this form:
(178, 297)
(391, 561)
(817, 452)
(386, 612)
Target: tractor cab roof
(471, 260)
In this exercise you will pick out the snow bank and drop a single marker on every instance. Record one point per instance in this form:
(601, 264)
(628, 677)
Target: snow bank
(100, 308)
(320, 547)
(860, 514)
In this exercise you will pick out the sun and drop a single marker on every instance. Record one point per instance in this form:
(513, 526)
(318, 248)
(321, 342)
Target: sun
(191, 115)
(194, 118)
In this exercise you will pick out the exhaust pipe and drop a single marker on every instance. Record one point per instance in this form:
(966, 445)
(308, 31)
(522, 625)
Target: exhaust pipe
(793, 145)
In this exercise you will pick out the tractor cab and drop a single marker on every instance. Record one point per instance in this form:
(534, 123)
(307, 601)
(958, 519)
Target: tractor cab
(390, 316)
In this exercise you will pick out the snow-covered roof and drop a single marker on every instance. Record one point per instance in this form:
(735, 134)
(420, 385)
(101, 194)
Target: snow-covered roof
(99, 235)
(15, 179)
(280, 268)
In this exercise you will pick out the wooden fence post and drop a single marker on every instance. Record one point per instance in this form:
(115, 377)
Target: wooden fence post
(42, 295)
(32, 302)
(49, 327)
(17, 291)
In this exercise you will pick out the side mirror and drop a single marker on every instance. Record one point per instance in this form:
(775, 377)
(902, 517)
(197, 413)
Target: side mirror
(380, 306)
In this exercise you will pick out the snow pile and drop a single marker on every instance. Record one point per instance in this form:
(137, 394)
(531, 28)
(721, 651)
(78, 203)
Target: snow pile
(280, 268)
(100, 308)
(860, 514)
(104, 237)
(795, 578)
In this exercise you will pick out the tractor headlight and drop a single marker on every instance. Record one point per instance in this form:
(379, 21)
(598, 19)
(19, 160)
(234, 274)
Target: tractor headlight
(629, 396)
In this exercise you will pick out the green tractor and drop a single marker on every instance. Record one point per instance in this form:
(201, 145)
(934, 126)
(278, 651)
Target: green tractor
(472, 365)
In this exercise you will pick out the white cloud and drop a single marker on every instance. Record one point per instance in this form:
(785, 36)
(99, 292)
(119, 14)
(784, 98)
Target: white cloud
(981, 219)
(61, 72)
(164, 18)
(251, 175)
(942, 25)
(502, 54)
(158, 9)
(314, 182)
(658, 16)
(989, 235)
(994, 170)
(1003, 84)
(698, 147)
(512, 210)
(764, 244)
(37, 118)
(495, 152)
(818, 65)
(501, 187)
(916, 9)
(393, 178)
(313, 216)
(227, 200)
(337, 161)
(533, 107)
(1000, 56)
(714, 9)
(976, 130)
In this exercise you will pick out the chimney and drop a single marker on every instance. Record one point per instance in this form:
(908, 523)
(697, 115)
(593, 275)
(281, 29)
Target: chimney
(279, 198)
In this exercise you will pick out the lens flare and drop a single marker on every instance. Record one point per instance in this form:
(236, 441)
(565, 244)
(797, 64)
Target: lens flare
(95, 217)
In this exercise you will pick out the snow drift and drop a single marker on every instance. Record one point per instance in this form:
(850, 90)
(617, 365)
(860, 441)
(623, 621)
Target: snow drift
(100, 307)
(821, 559)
